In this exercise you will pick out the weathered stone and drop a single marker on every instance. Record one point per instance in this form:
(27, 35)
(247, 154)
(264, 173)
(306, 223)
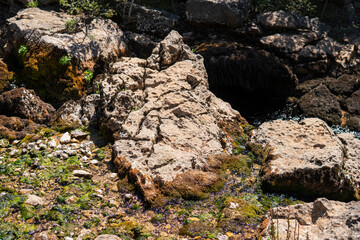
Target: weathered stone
(307, 158)
(230, 13)
(282, 20)
(65, 138)
(345, 85)
(321, 103)
(107, 237)
(287, 43)
(74, 114)
(322, 219)
(354, 123)
(151, 21)
(17, 128)
(140, 44)
(353, 103)
(78, 134)
(155, 108)
(25, 103)
(34, 200)
(82, 173)
(47, 32)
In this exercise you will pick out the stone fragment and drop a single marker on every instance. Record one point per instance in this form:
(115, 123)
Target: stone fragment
(65, 138)
(322, 219)
(78, 134)
(107, 237)
(82, 173)
(282, 20)
(230, 13)
(34, 200)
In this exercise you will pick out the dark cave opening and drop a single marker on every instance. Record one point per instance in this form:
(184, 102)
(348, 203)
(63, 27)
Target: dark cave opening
(253, 81)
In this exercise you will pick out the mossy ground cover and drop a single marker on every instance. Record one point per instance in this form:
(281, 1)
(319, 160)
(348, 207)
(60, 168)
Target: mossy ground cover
(107, 204)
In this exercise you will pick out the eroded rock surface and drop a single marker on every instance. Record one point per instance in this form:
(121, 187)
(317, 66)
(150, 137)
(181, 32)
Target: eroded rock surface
(307, 158)
(17, 128)
(229, 13)
(25, 103)
(322, 219)
(164, 118)
(51, 36)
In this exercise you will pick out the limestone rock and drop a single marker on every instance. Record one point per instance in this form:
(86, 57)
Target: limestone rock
(55, 35)
(163, 117)
(78, 134)
(287, 43)
(151, 21)
(230, 13)
(307, 158)
(74, 114)
(321, 103)
(107, 237)
(34, 200)
(25, 103)
(65, 138)
(82, 173)
(282, 20)
(322, 219)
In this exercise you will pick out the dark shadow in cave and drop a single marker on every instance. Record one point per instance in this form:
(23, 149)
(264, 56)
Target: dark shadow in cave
(253, 81)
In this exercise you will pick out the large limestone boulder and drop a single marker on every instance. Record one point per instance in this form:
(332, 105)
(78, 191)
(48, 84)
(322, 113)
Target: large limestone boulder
(50, 36)
(26, 104)
(281, 20)
(165, 121)
(307, 158)
(230, 13)
(322, 219)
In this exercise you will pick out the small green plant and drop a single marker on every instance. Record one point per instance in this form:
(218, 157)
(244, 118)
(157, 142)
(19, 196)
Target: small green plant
(91, 37)
(89, 75)
(23, 50)
(33, 4)
(71, 25)
(65, 60)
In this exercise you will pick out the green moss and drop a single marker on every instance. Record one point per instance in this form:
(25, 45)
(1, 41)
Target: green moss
(92, 222)
(9, 231)
(198, 228)
(157, 218)
(239, 164)
(7, 202)
(27, 211)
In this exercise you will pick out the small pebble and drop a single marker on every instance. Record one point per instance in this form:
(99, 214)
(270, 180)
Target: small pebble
(65, 138)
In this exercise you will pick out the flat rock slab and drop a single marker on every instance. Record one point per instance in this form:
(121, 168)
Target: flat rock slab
(307, 158)
(322, 219)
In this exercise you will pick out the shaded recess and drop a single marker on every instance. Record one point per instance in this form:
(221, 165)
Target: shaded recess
(251, 80)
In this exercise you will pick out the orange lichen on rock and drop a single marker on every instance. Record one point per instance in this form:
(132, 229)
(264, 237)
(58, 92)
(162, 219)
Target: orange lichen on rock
(5, 77)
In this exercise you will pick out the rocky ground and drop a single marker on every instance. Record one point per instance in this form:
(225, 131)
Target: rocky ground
(112, 134)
